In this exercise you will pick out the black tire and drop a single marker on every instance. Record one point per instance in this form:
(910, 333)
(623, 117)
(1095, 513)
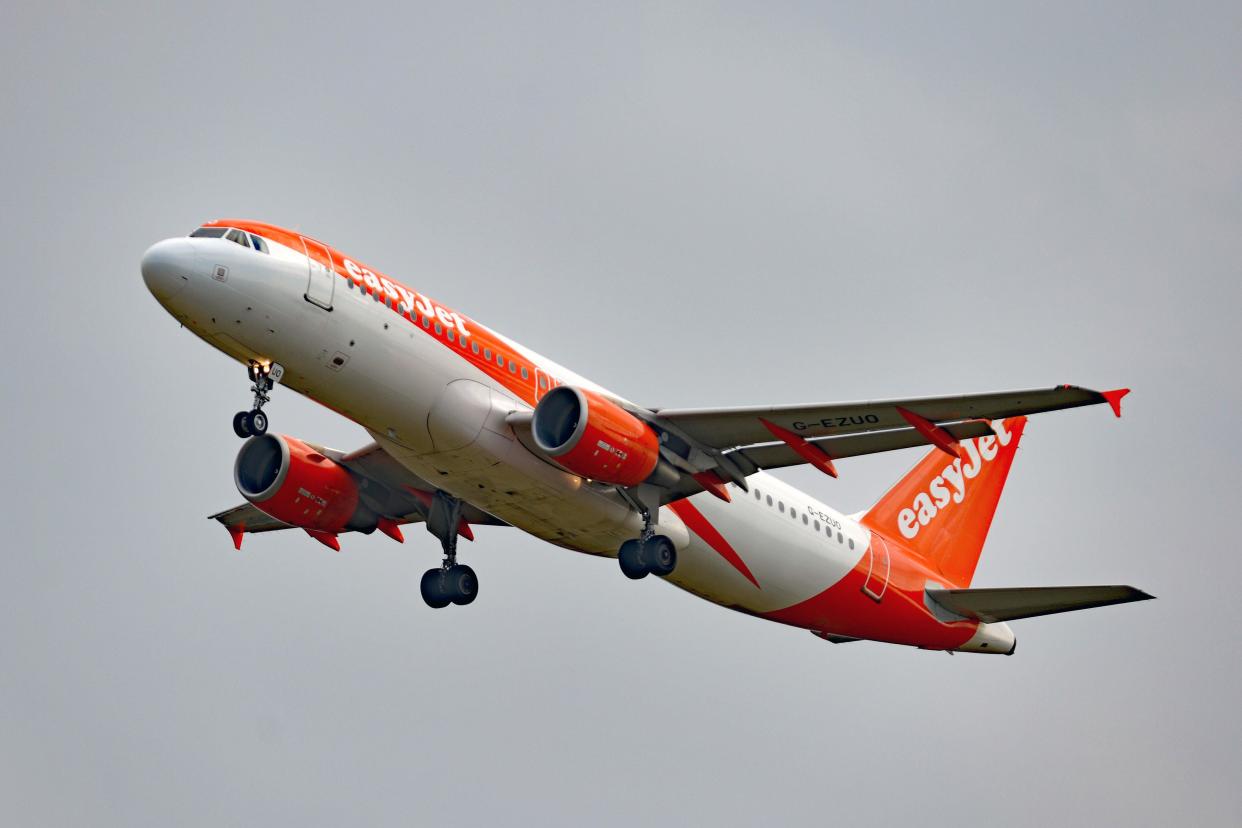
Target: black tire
(461, 585)
(432, 587)
(633, 562)
(661, 556)
(241, 424)
(256, 421)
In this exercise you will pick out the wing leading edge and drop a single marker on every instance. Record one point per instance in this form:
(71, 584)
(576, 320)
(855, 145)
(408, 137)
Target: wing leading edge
(732, 427)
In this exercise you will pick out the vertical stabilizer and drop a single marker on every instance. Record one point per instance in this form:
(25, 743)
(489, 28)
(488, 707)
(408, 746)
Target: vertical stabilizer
(942, 509)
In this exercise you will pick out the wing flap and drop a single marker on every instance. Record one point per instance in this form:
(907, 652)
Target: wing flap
(1007, 604)
(777, 455)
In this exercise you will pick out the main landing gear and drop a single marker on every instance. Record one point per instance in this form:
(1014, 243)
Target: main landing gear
(451, 582)
(650, 554)
(253, 423)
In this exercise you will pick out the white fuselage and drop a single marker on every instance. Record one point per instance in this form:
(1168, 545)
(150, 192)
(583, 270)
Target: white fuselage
(445, 420)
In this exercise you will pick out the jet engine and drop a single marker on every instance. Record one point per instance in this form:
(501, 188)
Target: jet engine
(592, 436)
(293, 482)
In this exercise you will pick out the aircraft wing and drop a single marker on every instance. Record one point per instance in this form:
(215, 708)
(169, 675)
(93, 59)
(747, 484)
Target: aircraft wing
(731, 427)
(248, 518)
(732, 443)
(386, 486)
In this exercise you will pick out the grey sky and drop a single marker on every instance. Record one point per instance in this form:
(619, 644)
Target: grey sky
(694, 205)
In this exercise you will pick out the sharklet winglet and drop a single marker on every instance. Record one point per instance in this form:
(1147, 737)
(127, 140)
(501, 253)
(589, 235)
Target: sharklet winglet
(1113, 398)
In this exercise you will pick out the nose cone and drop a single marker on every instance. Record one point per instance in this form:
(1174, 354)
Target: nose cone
(167, 267)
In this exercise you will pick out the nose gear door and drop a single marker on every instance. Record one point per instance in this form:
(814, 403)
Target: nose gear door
(322, 278)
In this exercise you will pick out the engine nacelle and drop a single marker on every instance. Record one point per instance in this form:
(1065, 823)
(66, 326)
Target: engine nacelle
(294, 483)
(592, 436)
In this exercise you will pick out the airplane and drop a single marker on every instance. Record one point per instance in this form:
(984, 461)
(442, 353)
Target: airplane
(470, 428)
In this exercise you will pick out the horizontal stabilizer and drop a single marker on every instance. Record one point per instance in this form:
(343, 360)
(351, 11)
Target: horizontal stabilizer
(1006, 604)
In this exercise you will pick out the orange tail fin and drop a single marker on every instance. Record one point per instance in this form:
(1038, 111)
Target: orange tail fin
(942, 508)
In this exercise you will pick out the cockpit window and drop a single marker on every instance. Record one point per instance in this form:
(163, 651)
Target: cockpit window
(238, 237)
(231, 234)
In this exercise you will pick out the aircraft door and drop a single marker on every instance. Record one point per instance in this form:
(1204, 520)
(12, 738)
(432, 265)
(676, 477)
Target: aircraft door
(321, 279)
(877, 578)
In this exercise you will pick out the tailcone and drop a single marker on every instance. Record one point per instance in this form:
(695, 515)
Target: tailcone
(995, 638)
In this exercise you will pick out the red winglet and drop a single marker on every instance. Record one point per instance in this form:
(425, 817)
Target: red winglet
(936, 435)
(810, 452)
(390, 528)
(236, 533)
(326, 538)
(1113, 398)
(711, 481)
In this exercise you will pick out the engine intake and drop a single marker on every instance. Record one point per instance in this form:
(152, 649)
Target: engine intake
(590, 435)
(294, 483)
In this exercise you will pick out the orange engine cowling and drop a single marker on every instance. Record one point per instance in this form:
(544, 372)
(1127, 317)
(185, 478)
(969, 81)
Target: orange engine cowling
(294, 483)
(592, 436)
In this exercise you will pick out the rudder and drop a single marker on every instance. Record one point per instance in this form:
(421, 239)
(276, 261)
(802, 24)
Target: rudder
(942, 509)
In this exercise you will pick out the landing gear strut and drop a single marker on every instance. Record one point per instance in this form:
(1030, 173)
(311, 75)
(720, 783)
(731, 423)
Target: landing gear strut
(253, 423)
(650, 553)
(451, 582)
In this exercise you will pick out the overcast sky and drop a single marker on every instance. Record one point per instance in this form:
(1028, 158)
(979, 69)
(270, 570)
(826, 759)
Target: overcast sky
(692, 205)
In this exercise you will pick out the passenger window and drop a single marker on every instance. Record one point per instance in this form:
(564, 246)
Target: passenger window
(780, 504)
(487, 354)
(474, 346)
(817, 526)
(439, 329)
(851, 543)
(757, 495)
(793, 513)
(543, 382)
(512, 367)
(452, 335)
(500, 360)
(840, 538)
(525, 373)
(804, 520)
(769, 500)
(426, 322)
(401, 308)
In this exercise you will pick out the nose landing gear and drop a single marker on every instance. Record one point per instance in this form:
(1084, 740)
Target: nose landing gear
(451, 582)
(253, 423)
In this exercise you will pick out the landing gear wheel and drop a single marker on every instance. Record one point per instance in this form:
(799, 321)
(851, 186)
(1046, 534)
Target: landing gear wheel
(432, 588)
(661, 555)
(633, 561)
(256, 423)
(461, 584)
